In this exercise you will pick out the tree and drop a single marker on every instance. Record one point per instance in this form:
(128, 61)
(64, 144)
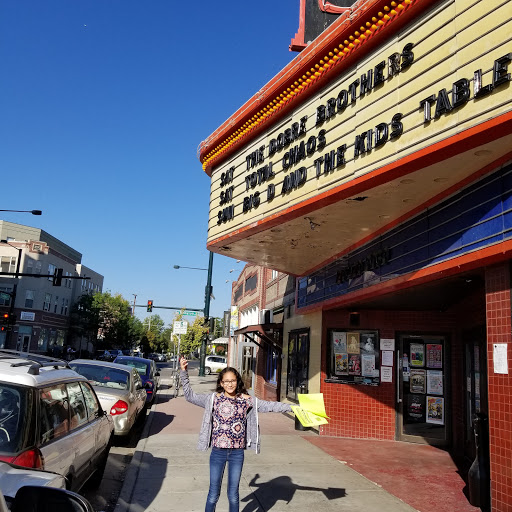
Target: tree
(191, 342)
(153, 327)
(105, 320)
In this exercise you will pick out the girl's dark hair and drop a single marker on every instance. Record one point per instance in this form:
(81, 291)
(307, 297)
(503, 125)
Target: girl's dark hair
(240, 388)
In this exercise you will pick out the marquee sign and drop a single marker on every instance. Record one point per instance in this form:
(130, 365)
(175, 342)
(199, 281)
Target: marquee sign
(420, 88)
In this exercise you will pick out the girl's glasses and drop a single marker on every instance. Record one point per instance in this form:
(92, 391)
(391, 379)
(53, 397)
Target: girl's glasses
(229, 382)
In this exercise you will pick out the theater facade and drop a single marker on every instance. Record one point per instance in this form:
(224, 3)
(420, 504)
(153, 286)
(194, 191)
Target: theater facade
(377, 168)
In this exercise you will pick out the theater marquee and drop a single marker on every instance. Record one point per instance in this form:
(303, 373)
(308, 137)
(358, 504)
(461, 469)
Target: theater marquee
(435, 81)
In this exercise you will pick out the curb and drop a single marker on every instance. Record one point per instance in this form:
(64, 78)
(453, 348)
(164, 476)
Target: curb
(125, 496)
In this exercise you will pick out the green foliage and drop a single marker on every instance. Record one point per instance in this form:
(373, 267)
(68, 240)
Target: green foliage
(106, 321)
(190, 342)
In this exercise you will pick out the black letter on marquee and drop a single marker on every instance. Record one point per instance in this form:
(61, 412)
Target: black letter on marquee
(381, 134)
(271, 192)
(443, 105)
(426, 106)
(499, 72)
(342, 101)
(320, 115)
(396, 126)
(478, 90)
(460, 92)
(379, 75)
(407, 55)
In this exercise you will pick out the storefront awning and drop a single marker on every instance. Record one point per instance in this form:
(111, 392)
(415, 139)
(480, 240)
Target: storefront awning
(271, 334)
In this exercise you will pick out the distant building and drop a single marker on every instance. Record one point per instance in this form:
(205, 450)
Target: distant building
(42, 310)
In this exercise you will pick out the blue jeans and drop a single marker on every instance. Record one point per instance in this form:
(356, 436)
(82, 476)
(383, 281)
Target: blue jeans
(218, 458)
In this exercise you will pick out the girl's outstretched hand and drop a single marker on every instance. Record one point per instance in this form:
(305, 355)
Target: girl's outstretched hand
(183, 364)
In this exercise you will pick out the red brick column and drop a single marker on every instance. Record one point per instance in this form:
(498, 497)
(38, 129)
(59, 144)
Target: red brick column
(498, 306)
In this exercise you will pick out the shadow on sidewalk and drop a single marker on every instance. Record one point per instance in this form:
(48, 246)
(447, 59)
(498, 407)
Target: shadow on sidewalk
(159, 421)
(281, 488)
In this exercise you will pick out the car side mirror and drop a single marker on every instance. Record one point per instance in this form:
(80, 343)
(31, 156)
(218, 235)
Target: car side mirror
(157, 374)
(37, 499)
(138, 385)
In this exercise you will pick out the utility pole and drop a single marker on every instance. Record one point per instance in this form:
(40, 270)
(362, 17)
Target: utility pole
(134, 300)
(207, 295)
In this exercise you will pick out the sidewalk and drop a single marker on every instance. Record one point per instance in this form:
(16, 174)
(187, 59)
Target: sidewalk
(168, 473)
(296, 470)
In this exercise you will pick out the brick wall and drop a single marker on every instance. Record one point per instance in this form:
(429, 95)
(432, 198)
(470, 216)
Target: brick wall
(497, 287)
(368, 412)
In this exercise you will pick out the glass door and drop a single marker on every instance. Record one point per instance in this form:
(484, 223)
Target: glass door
(423, 405)
(298, 364)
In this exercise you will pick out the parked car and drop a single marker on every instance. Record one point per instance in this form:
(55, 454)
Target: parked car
(148, 373)
(35, 498)
(51, 419)
(119, 389)
(159, 358)
(12, 478)
(214, 364)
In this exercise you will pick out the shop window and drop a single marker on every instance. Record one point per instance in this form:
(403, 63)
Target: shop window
(8, 264)
(251, 283)
(29, 298)
(353, 356)
(51, 271)
(38, 267)
(5, 300)
(29, 265)
(47, 302)
(271, 369)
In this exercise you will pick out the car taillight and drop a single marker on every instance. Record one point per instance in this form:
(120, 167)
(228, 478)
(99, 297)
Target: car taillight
(28, 459)
(119, 408)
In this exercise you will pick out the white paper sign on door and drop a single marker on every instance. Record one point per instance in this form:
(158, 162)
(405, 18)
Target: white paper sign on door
(500, 358)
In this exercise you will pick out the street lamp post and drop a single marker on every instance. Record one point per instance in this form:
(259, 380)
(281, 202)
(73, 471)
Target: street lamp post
(14, 289)
(33, 212)
(207, 295)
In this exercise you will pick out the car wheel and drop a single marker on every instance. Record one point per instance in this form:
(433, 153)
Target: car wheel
(97, 477)
(207, 370)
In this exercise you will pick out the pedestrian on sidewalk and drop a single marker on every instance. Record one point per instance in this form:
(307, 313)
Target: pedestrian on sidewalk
(230, 425)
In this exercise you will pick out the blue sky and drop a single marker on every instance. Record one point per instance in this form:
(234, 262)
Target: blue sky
(103, 105)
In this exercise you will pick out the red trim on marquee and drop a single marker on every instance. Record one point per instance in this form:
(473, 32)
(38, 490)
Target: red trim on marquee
(323, 44)
(331, 9)
(297, 43)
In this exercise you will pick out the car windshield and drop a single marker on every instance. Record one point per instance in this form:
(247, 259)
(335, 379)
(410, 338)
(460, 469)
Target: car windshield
(103, 376)
(140, 366)
(15, 403)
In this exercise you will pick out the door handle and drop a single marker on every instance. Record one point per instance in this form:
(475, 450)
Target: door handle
(398, 365)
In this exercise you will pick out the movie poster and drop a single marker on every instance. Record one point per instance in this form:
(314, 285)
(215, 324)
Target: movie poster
(417, 354)
(341, 364)
(417, 381)
(434, 355)
(354, 364)
(368, 343)
(353, 343)
(416, 408)
(435, 410)
(339, 342)
(368, 365)
(434, 382)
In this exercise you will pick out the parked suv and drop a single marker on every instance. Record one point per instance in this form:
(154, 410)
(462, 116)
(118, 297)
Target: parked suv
(50, 418)
(214, 364)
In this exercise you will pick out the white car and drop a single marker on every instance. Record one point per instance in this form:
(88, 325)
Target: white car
(214, 364)
(51, 419)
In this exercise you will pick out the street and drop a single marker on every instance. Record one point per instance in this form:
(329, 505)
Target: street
(104, 498)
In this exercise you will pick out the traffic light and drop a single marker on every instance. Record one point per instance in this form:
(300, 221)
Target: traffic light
(150, 306)
(57, 277)
(5, 319)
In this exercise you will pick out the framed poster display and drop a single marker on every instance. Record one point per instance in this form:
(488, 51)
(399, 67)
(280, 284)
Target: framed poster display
(435, 410)
(434, 382)
(417, 382)
(354, 356)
